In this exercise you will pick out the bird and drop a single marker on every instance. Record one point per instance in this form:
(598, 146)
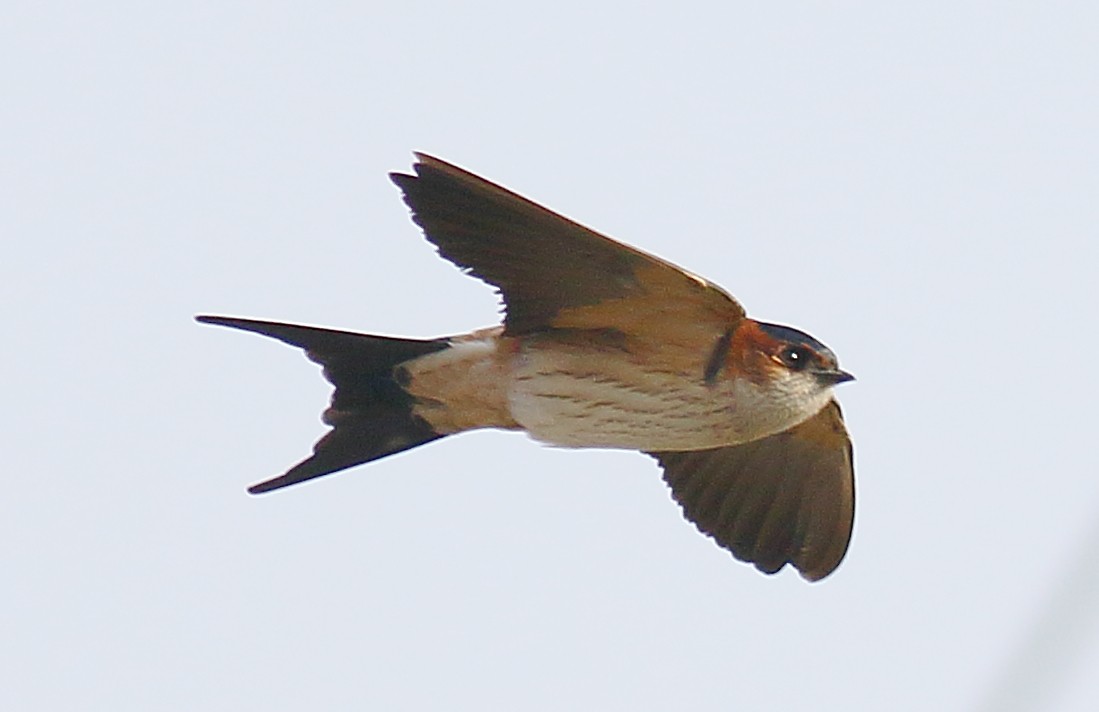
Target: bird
(602, 346)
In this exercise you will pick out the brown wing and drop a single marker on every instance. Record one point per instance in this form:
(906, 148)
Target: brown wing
(785, 499)
(551, 271)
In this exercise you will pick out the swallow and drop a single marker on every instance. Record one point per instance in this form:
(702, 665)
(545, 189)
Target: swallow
(602, 346)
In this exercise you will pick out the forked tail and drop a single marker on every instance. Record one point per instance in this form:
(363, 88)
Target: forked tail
(371, 415)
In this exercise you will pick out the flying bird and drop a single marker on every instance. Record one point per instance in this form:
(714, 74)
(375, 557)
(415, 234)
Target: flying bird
(601, 346)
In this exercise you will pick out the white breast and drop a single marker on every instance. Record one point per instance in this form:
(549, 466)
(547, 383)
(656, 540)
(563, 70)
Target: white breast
(573, 398)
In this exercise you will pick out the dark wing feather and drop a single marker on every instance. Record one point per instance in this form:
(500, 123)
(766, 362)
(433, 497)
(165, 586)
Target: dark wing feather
(543, 263)
(785, 499)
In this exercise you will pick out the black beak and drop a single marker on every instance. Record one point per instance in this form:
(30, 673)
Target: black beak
(834, 376)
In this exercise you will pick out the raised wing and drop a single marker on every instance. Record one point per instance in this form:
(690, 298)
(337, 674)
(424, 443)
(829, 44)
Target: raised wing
(785, 499)
(551, 271)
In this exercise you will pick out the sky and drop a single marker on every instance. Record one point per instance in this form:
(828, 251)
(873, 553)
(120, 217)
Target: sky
(914, 184)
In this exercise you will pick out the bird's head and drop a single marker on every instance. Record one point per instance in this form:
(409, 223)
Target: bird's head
(788, 372)
(782, 352)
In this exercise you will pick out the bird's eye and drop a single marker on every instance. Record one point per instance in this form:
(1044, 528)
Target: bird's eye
(795, 358)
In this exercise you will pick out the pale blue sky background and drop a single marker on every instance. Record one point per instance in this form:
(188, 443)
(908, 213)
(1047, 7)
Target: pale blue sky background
(913, 183)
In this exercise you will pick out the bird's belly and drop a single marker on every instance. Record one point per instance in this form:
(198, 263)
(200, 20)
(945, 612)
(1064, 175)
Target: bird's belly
(579, 400)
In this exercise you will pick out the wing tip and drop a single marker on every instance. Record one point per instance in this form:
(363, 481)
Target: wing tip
(426, 158)
(232, 322)
(267, 486)
(816, 566)
(813, 574)
(308, 469)
(422, 160)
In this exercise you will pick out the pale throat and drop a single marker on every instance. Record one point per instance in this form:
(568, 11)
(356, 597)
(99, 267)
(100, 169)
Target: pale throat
(779, 403)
